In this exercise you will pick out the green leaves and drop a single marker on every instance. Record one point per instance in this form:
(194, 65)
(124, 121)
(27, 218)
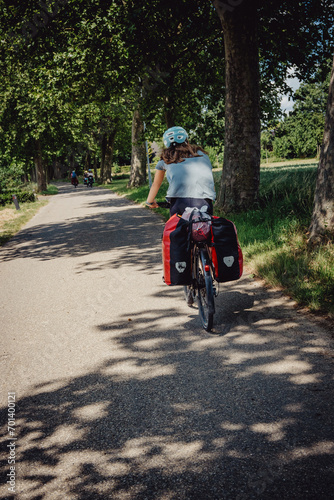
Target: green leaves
(301, 133)
(86, 65)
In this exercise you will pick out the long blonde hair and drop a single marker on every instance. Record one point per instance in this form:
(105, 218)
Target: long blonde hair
(179, 152)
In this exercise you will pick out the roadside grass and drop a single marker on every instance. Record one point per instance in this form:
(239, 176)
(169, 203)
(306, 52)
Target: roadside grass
(273, 235)
(12, 220)
(51, 190)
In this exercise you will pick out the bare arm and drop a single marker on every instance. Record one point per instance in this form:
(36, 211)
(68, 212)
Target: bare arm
(158, 178)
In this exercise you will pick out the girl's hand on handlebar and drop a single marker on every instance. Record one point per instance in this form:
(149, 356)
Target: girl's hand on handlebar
(154, 204)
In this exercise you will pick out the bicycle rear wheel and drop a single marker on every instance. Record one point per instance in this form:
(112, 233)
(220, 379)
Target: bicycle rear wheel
(205, 293)
(189, 295)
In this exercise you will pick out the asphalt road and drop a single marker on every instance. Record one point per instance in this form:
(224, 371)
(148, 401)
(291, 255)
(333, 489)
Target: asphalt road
(118, 393)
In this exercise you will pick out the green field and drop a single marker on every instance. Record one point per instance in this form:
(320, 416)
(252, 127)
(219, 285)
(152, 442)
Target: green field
(274, 238)
(273, 235)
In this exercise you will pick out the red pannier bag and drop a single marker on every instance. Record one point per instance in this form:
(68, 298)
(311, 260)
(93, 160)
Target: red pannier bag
(176, 254)
(227, 256)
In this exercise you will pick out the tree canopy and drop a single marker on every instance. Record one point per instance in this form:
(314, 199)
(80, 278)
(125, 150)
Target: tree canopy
(74, 73)
(301, 133)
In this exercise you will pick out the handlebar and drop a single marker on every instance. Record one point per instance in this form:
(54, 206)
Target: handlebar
(163, 204)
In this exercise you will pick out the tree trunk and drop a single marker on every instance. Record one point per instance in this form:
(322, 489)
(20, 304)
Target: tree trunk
(109, 155)
(169, 113)
(138, 156)
(95, 167)
(57, 169)
(49, 173)
(40, 170)
(87, 161)
(72, 162)
(322, 223)
(103, 157)
(33, 173)
(242, 151)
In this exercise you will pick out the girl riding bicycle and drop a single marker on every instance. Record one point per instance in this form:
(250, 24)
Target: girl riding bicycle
(189, 174)
(193, 258)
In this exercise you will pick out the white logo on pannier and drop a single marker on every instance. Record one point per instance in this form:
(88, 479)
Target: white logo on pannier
(228, 261)
(180, 266)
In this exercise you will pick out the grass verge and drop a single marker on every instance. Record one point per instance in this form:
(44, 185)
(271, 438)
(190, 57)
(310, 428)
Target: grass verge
(274, 239)
(273, 236)
(51, 190)
(12, 220)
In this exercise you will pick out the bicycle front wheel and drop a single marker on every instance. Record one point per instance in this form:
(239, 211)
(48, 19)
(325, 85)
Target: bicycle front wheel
(205, 294)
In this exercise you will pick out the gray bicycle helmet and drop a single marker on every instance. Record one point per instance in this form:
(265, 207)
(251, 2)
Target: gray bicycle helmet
(174, 135)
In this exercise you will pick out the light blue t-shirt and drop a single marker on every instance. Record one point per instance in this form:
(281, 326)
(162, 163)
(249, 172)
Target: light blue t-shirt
(191, 178)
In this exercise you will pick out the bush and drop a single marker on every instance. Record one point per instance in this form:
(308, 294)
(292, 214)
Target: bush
(215, 158)
(5, 199)
(10, 184)
(283, 147)
(22, 197)
(267, 155)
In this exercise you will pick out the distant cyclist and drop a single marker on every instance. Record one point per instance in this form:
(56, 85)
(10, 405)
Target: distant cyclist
(90, 178)
(189, 174)
(74, 179)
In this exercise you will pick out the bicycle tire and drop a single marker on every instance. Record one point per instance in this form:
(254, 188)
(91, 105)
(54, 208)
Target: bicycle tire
(205, 293)
(189, 295)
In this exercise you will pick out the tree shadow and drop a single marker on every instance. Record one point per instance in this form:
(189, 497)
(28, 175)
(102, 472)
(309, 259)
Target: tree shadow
(180, 415)
(125, 230)
(174, 412)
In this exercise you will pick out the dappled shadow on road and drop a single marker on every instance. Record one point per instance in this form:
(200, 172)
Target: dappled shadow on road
(113, 223)
(180, 414)
(174, 413)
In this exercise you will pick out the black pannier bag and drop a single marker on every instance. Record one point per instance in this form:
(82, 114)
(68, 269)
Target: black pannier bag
(227, 256)
(176, 254)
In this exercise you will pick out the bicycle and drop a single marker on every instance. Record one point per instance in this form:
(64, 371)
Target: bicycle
(202, 287)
